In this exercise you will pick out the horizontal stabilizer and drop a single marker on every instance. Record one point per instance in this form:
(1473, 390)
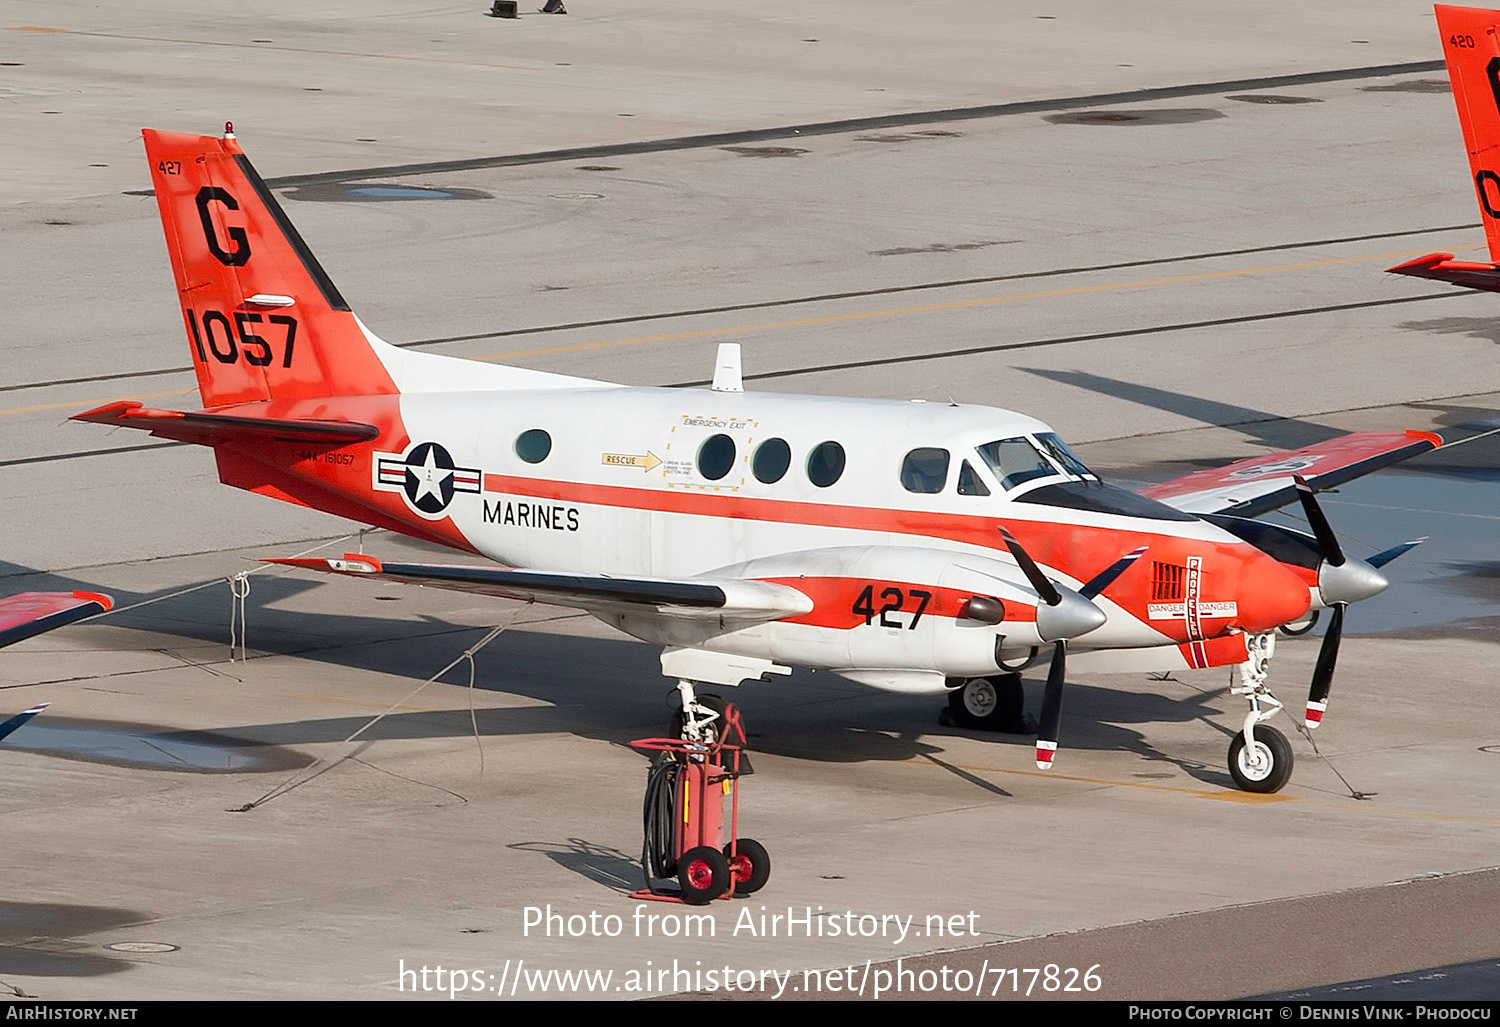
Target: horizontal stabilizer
(681, 597)
(1253, 486)
(1442, 267)
(207, 429)
(31, 613)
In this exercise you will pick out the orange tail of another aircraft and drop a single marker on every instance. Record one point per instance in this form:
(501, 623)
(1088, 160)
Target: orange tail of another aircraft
(264, 321)
(1471, 47)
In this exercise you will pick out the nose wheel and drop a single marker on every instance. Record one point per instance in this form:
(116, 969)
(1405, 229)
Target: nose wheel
(1260, 757)
(1264, 766)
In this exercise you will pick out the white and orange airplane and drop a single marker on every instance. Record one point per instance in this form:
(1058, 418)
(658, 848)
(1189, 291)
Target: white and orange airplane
(910, 546)
(32, 613)
(1471, 49)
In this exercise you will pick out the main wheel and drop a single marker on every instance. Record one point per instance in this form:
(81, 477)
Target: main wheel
(1267, 767)
(989, 704)
(704, 875)
(751, 866)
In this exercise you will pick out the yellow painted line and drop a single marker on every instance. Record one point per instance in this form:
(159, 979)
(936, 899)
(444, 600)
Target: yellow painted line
(34, 28)
(1254, 798)
(834, 318)
(960, 304)
(1417, 814)
(95, 402)
(1053, 776)
(1218, 795)
(376, 705)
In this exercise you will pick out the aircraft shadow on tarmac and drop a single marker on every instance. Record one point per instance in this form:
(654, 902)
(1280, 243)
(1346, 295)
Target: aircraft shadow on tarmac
(1454, 421)
(36, 939)
(810, 716)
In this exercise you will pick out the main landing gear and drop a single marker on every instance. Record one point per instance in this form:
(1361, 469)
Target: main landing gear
(1260, 758)
(696, 768)
(991, 704)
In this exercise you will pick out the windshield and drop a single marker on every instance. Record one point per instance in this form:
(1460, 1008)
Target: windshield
(1065, 457)
(1016, 460)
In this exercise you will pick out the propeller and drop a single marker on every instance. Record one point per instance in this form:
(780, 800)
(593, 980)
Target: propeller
(1341, 580)
(1063, 614)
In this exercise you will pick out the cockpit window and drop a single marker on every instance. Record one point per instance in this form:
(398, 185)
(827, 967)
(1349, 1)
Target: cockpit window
(1065, 457)
(1014, 461)
(925, 470)
(969, 482)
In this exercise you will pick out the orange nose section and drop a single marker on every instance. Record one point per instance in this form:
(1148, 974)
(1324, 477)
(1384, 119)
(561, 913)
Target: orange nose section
(1269, 594)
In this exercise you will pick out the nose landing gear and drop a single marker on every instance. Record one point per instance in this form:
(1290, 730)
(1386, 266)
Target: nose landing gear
(1260, 757)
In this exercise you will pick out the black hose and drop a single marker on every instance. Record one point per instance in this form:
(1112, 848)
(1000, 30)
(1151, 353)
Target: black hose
(659, 820)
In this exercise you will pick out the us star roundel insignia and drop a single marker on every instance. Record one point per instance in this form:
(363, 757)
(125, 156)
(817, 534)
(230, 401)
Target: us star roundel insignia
(1290, 465)
(427, 476)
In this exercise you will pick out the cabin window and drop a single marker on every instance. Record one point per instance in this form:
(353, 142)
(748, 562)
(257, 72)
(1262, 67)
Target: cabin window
(716, 457)
(825, 464)
(925, 470)
(533, 445)
(1014, 461)
(772, 458)
(969, 482)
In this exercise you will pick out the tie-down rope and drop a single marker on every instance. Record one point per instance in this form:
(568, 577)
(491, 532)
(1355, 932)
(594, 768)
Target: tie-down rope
(301, 777)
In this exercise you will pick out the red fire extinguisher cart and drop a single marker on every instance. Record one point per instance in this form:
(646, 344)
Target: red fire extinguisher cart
(683, 821)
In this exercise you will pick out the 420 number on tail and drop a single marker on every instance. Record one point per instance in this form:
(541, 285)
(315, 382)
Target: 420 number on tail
(230, 342)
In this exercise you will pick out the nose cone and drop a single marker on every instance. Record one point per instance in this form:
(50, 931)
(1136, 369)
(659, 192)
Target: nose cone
(1270, 595)
(1350, 582)
(1072, 616)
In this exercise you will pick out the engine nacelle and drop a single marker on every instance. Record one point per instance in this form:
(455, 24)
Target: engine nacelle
(899, 618)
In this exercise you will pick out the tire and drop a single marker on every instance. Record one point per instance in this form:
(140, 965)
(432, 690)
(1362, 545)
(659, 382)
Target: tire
(989, 704)
(703, 874)
(751, 866)
(1265, 779)
(713, 702)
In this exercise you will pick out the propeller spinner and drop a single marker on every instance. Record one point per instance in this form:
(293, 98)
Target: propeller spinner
(1341, 580)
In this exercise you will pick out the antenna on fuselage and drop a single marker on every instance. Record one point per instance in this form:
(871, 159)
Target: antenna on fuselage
(727, 376)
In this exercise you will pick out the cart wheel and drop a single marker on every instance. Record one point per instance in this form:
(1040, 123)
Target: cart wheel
(704, 875)
(751, 866)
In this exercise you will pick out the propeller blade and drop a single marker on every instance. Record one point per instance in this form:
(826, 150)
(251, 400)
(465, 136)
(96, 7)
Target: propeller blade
(1106, 577)
(1046, 735)
(1333, 553)
(20, 718)
(1381, 559)
(1040, 583)
(1328, 656)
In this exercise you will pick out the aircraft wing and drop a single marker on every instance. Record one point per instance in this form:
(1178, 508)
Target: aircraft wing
(31, 613)
(6, 727)
(1251, 487)
(206, 428)
(733, 598)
